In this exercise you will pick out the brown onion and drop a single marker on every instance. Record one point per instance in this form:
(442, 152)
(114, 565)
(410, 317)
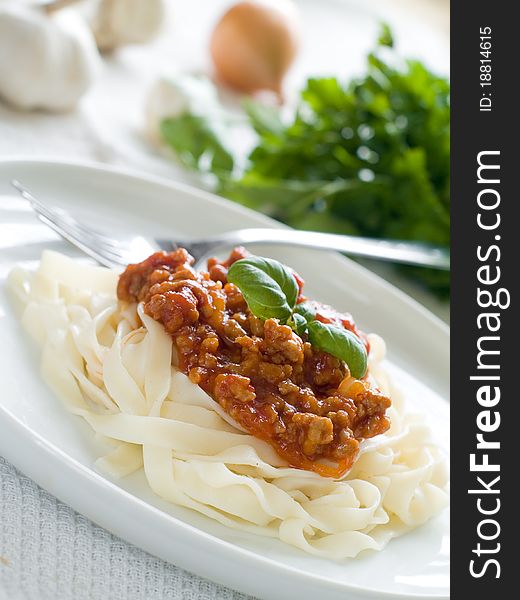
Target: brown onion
(254, 44)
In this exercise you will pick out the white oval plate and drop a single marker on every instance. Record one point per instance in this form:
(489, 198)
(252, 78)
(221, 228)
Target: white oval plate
(57, 450)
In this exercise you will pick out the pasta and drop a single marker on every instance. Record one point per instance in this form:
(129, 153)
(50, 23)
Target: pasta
(113, 365)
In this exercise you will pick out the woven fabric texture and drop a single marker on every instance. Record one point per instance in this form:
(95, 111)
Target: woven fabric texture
(50, 552)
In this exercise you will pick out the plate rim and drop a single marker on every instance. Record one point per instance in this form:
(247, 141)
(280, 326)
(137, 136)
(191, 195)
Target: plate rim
(13, 430)
(134, 173)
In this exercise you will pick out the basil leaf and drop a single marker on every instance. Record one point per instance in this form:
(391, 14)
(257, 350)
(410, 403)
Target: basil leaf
(269, 288)
(341, 343)
(298, 323)
(306, 310)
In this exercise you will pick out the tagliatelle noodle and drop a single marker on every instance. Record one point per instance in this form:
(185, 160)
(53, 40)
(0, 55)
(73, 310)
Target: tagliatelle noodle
(114, 366)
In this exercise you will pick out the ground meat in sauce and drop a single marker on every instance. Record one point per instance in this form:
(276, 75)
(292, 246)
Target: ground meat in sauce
(300, 400)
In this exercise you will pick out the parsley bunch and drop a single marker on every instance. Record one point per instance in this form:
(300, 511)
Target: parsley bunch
(370, 157)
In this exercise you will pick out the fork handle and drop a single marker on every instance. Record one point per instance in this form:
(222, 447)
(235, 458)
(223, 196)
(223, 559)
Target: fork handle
(405, 252)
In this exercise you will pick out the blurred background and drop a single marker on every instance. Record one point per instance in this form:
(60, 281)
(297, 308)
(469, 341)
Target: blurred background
(136, 83)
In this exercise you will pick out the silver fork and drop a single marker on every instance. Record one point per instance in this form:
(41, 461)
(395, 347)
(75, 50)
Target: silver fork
(115, 253)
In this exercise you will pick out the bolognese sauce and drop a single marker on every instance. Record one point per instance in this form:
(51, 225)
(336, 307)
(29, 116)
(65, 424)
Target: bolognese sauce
(274, 383)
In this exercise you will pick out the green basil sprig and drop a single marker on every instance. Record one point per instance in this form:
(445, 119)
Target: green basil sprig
(306, 310)
(298, 323)
(341, 343)
(270, 290)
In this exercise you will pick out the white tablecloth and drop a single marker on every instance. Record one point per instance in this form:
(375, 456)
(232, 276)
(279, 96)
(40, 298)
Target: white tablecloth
(50, 552)
(47, 550)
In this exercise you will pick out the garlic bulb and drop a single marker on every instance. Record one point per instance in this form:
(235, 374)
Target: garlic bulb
(46, 62)
(176, 95)
(119, 22)
(254, 44)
